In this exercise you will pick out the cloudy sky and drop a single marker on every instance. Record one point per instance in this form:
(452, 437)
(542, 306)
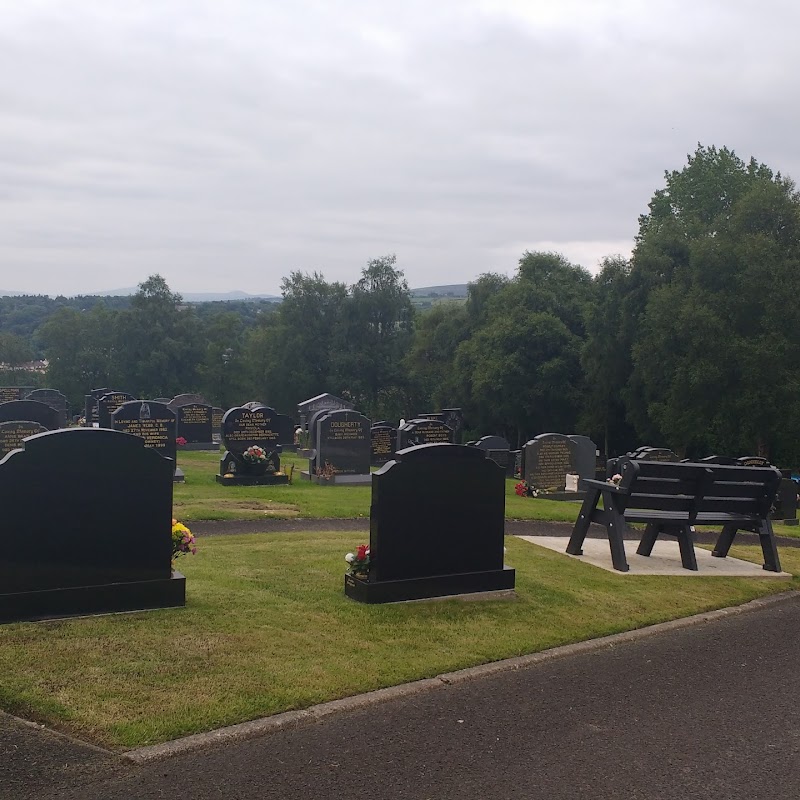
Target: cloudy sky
(223, 145)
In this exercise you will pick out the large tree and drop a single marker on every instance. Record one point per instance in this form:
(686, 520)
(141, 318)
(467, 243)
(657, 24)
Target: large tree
(714, 329)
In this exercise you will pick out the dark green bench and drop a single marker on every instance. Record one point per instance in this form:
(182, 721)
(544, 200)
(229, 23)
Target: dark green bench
(670, 498)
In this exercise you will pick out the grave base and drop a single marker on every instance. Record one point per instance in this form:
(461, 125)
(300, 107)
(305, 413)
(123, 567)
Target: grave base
(434, 586)
(305, 452)
(340, 480)
(577, 496)
(252, 480)
(178, 476)
(199, 446)
(78, 601)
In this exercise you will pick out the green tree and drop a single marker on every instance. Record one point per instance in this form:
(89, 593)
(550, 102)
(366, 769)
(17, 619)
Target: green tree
(716, 335)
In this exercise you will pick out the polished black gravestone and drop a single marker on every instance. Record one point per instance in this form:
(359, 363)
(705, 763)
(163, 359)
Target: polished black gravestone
(585, 458)
(29, 411)
(151, 421)
(285, 426)
(383, 443)
(549, 458)
(454, 419)
(194, 423)
(432, 537)
(643, 453)
(53, 398)
(421, 430)
(63, 554)
(108, 404)
(342, 449)
(12, 434)
(243, 428)
(499, 450)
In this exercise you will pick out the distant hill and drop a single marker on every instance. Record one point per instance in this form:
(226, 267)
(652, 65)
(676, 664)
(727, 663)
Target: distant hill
(198, 297)
(453, 290)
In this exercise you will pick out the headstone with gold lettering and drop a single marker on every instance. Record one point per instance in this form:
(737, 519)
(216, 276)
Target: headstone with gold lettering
(342, 448)
(252, 450)
(154, 422)
(12, 434)
(195, 425)
(423, 430)
(549, 458)
(108, 404)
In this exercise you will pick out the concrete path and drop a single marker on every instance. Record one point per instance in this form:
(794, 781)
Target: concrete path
(708, 710)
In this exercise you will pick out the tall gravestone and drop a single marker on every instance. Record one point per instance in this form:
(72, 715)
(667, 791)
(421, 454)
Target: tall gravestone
(549, 458)
(108, 404)
(194, 424)
(29, 411)
(343, 448)
(90, 414)
(431, 537)
(53, 398)
(423, 431)
(61, 555)
(242, 429)
(383, 443)
(284, 425)
(12, 434)
(585, 458)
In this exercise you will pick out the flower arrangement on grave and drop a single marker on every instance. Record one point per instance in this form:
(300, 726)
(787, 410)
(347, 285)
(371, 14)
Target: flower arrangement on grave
(524, 489)
(359, 561)
(255, 455)
(183, 541)
(614, 480)
(327, 471)
(180, 441)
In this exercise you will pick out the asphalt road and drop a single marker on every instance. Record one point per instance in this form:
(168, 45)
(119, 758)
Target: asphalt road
(708, 711)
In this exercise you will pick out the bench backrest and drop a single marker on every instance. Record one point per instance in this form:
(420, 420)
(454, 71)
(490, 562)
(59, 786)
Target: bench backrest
(692, 488)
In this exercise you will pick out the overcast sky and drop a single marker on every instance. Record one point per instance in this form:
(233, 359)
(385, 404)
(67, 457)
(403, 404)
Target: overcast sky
(224, 144)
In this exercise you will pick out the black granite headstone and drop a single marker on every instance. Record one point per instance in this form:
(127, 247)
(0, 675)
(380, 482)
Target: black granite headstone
(454, 418)
(284, 425)
(322, 402)
(549, 458)
(62, 555)
(343, 443)
(12, 434)
(585, 458)
(431, 537)
(108, 404)
(53, 398)
(216, 424)
(423, 431)
(383, 443)
(194, 423)
(243, 428)
(29, 411)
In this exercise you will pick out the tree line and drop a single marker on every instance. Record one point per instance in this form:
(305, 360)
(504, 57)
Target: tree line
(692, 343)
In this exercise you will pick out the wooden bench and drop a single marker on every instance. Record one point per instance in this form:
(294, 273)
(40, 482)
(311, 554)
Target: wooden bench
(672, 497)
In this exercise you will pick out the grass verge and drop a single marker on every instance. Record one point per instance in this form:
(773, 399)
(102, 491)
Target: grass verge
(267, 628)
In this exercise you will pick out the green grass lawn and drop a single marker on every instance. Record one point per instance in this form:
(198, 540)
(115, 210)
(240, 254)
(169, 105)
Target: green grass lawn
(201, 497)
(267, 628)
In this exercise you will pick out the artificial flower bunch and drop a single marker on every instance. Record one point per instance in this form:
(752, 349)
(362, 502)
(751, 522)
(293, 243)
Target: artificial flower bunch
(359, 561)
(255, 455)
(183, 541)
(525, 490)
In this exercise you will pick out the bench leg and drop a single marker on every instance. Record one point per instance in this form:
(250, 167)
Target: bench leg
(648, 540)
(615, 525)
(771, 561)
(686, 544)
(575, 546)
(724, 541)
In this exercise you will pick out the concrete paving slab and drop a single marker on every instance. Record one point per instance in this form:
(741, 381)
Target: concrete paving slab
(665, 559)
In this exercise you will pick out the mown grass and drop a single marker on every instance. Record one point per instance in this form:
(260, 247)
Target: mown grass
(267, 628)
(201, 497)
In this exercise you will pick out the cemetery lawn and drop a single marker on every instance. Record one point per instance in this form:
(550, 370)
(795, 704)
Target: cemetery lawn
(201, 497)
(267, 628)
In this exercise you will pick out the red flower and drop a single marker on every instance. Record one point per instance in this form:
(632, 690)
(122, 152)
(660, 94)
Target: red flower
(362, 552)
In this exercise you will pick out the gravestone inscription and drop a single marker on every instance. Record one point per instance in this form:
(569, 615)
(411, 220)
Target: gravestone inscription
(423, 431)
(151, 421)
(549, 457)
(9, 393)
(194, 424)
(216, 424)
(383, 443)
(343, 445)
(12, 434)
(108, 404)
